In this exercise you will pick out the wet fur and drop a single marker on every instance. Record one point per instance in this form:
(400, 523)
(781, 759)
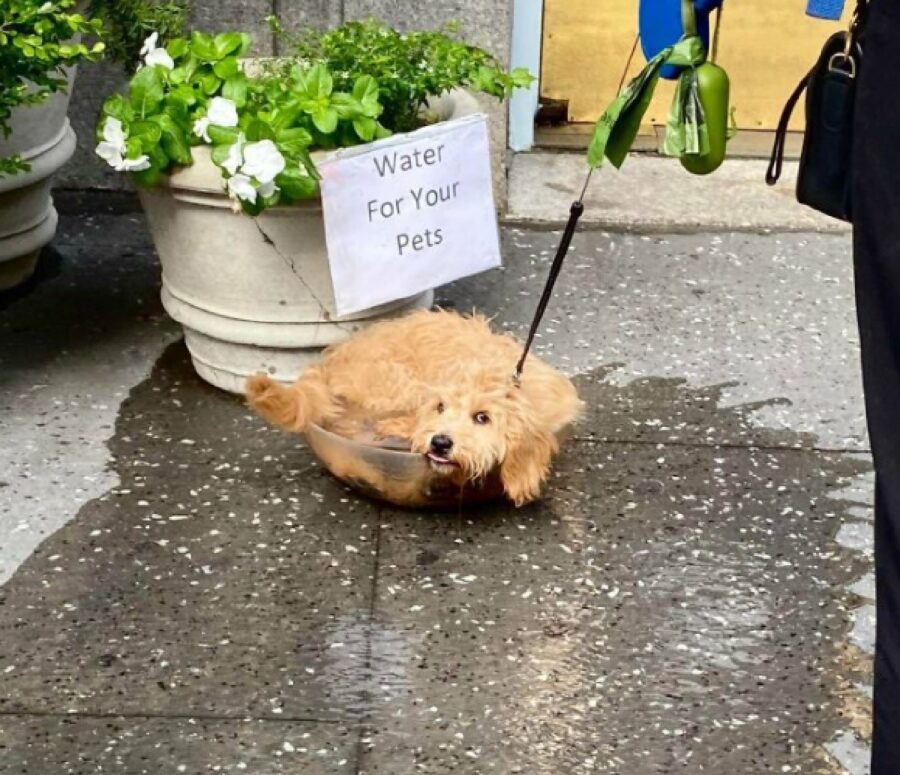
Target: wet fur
(389, 382)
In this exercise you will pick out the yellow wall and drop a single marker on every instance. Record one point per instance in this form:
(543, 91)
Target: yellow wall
(765, 45)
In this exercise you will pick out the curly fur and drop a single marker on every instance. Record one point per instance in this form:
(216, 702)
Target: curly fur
(431, 374)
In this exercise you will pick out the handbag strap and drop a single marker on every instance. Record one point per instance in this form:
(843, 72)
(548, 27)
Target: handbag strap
(776, 162)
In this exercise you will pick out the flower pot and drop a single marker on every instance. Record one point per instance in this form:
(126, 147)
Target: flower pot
(42, 136)
(253, 294)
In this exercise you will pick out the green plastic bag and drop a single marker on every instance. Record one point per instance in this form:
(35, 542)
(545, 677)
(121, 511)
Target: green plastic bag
(617, 128)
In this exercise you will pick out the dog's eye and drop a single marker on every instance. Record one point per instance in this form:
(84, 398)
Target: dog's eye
(481, 418)
(440, 407)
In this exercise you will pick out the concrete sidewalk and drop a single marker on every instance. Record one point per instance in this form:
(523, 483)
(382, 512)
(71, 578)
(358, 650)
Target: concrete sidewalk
(651, 193)
(182, 589)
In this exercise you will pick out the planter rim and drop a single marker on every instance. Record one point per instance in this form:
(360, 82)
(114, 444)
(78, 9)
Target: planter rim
(45, 160)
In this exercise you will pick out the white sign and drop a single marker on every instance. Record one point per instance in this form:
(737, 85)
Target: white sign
(409, 213)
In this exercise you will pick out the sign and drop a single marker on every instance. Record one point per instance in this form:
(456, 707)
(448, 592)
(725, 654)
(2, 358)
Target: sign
(409, 213)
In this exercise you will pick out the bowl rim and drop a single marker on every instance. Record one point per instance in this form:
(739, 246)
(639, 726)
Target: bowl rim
(315, 427)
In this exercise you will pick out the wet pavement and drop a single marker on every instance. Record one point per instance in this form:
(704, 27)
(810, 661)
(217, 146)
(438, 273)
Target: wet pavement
(183, 589)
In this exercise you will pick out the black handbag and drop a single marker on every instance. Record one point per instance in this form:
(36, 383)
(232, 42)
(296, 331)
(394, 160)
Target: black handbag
(824, 178)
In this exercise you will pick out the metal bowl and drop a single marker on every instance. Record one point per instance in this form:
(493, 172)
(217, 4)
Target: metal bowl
(395, 475)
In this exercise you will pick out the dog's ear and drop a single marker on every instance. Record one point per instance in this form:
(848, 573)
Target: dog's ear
(552, 398)
(526, 466)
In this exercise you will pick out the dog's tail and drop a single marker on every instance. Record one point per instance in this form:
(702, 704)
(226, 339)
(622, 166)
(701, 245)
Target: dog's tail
(294, 407)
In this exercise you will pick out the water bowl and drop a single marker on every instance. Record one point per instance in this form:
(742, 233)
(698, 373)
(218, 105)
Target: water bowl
(393, 474)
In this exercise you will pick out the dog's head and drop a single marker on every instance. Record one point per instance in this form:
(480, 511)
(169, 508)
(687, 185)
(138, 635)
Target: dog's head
(483, 420)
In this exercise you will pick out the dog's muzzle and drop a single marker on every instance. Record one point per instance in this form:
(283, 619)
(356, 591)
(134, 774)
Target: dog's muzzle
(439, 450)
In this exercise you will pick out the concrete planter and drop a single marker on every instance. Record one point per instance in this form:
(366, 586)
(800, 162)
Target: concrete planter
(41, 135)
(253, 294)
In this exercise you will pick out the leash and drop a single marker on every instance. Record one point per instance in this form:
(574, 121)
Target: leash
(575, 212)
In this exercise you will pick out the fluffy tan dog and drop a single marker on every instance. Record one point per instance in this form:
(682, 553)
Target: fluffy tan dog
(440, 384)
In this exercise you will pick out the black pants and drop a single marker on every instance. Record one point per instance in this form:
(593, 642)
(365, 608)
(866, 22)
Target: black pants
(877, 261)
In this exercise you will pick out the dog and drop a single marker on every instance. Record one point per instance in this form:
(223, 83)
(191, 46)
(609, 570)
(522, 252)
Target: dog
(438, 384)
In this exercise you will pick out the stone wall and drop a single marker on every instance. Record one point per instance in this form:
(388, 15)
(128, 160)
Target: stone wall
(486, 23)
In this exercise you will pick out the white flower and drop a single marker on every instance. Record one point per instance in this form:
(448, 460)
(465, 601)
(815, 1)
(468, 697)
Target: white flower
(112, 149)
(156, 56)
(134, 165)
(113, 132)
(263, 161)
(159, 56)
(241, 187)
(109, 152)
(149, 44)
(221, 112)
(201, 125)
(235, 156)
(252, 169)
(267, 189)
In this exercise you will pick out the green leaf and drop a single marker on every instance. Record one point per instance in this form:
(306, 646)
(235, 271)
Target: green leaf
(220, 153)
(521, 78)
(133, 148)
(158, 158)
(179, 103)
(325, 120)
(296, 184)
(318, 82)
(210, 83)
(293, 141)
(485, 79)
(235, 89)
(346, 106)
(177, 48)
(365, 127)
(146, 133)
(175, 141)
(184, 72)
(203, 47)
(118, 107)
(148, 177)
(145, 91)
(227, 68)
(253, 208)
(178, 75)
(258, 130)
(223, 135)
(365, 91)
(285, 115)
(226, 43)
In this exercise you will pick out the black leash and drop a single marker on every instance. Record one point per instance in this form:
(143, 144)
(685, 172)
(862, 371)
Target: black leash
(574, 214)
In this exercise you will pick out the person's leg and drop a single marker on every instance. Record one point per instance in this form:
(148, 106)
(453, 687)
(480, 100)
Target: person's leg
(876, 216)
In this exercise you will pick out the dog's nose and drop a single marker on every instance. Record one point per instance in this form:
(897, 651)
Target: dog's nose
(441, 444)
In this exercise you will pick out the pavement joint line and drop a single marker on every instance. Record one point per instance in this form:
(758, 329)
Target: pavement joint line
(725, 445)
(52, 714)
(373, 599)
(650, 229)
